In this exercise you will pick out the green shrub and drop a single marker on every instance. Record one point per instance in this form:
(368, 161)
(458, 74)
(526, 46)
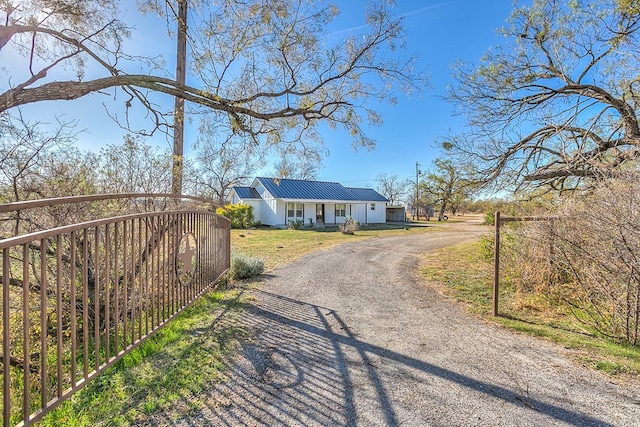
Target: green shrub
(240, 214)
(350, 226)
(487, 247)
(243, 267)
(489, 218)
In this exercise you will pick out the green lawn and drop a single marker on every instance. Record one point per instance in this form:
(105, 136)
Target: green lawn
(166, 373)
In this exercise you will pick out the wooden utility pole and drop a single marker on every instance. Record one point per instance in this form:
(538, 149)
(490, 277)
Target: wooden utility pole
(496, 262)
(178, 121)
(415, 208)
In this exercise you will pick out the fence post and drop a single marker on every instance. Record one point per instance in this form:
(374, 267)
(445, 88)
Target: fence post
(496, 263)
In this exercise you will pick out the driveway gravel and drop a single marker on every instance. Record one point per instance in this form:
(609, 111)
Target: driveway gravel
(352, 336)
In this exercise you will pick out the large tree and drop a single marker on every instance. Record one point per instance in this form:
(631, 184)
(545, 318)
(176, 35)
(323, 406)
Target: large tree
(447, 186)
(134, 167)
(394, 188)
(556, 105)
(267, 69)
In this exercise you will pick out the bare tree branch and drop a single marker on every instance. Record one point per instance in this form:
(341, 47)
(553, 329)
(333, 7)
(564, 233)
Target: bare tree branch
(269, 66)
(555, 106)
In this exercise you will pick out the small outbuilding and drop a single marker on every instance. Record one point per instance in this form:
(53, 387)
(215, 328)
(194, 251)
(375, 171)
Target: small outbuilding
(396, 214)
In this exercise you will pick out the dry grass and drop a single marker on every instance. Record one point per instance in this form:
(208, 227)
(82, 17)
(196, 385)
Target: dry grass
(453, 219)
(464, 274)
(461, 272)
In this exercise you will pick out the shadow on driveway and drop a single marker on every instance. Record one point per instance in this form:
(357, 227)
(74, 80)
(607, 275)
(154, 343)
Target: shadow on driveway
(305, 367)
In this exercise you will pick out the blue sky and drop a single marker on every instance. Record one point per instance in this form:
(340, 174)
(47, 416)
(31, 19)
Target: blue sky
(438, 32)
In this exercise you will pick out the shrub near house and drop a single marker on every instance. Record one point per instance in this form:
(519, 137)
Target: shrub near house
(244, 267)
(240, 214)
(350, 226)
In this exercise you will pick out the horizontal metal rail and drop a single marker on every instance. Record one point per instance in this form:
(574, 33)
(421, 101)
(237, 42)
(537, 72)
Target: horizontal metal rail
(39, 203)
(76, 298)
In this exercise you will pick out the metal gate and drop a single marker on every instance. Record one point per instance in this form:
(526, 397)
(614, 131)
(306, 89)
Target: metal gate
(86, 279)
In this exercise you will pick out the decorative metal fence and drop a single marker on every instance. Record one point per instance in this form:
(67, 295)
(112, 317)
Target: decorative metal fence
(78, 293)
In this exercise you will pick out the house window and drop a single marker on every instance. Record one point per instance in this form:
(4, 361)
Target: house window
(341, 209)
(373, 206)
(294, 210)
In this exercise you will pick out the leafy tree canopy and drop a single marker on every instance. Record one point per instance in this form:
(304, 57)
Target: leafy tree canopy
(447, 186)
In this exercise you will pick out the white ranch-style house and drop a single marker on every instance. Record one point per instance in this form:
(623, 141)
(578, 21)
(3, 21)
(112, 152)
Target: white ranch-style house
(276, 201)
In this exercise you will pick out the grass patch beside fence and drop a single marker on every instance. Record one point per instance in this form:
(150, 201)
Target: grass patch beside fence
(166, 373)
(463, 273)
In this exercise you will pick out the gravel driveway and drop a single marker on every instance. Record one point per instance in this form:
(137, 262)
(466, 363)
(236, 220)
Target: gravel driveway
(353, 337)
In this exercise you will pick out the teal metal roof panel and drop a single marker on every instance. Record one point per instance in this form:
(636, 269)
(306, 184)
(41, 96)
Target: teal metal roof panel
(246, 192)
(296, 189)
(367, 195)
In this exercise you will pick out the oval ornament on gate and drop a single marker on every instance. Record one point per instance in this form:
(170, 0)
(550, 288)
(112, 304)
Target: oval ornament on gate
(186, 259)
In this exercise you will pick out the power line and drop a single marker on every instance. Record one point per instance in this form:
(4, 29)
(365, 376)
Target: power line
(375, 179)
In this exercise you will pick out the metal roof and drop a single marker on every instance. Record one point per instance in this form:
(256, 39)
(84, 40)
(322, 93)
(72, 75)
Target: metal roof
(296, 189)
(367, 194)
(246, 192)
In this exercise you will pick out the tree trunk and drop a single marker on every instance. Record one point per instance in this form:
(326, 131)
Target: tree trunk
(443, 207)
(178, 125)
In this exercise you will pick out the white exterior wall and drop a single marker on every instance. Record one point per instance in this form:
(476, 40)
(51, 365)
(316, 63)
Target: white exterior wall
(280, 213)
(329, 213)
(309, 212)
(359, 213)
(362, 212)
(268, 207)
(355, 211)
(340, 219)
(256, 205)
(283, 212)
(379, 215)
